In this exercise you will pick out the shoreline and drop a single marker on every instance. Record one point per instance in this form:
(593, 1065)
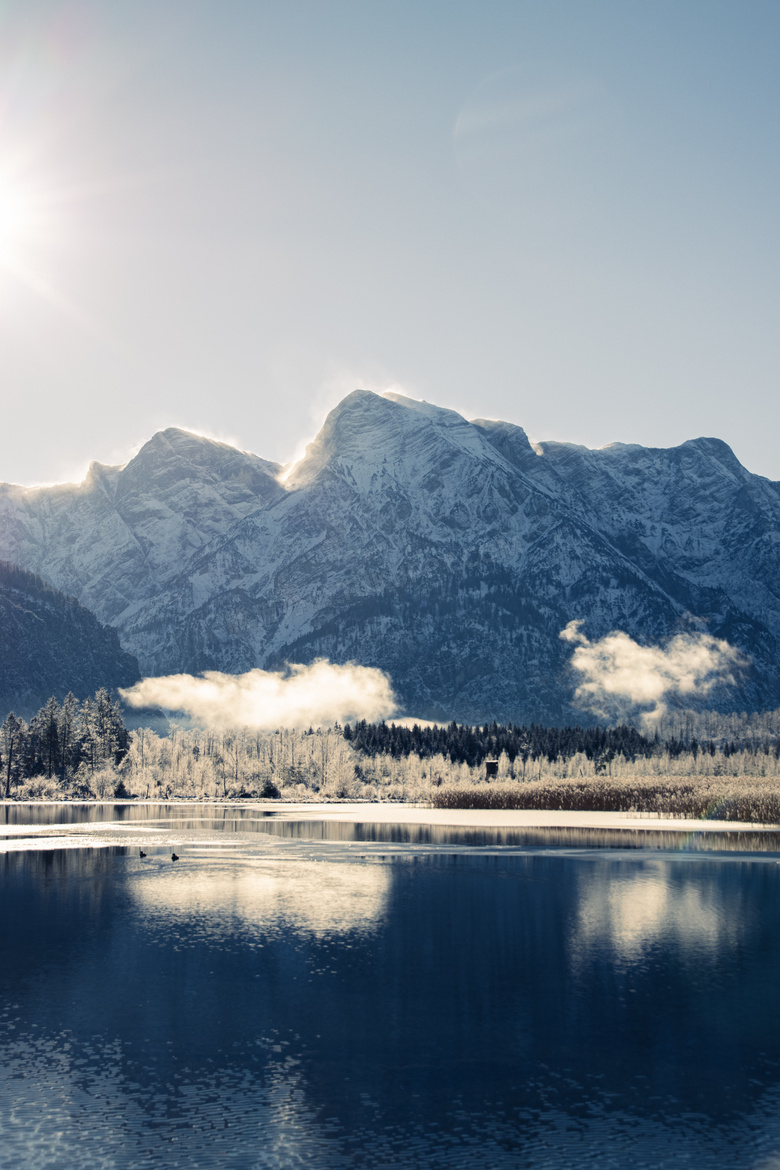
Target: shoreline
(394, 812)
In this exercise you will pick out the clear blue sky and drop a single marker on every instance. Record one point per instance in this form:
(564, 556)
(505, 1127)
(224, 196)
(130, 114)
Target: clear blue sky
(226, 215)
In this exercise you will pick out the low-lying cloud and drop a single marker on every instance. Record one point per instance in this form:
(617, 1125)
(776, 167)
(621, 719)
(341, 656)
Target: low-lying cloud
(300, 696)
(619, 676)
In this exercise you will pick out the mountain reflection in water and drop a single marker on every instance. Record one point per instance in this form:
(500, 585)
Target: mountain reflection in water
(637, 911)
(263, 1007)
(303, 896)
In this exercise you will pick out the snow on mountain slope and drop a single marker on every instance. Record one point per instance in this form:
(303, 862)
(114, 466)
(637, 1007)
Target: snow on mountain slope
(116, 539)
(691, 512)
(447, 552)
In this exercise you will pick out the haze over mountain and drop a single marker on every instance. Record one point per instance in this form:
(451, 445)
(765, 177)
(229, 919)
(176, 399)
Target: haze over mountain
(449, 553)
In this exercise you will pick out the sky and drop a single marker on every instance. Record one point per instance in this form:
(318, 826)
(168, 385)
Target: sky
(226, 216)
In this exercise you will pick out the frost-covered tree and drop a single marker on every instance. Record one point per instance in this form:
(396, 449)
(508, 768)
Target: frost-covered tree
(13, 734)
(67, 733)
(47, 730)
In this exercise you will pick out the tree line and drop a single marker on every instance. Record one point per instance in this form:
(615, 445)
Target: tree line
(83, 750)
(66, 741)
(463, 744)
(679, 734)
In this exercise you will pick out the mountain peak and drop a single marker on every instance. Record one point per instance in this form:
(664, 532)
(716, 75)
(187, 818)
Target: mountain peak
(718, 452)
(387, 430)
(182, 442)
(174, 446)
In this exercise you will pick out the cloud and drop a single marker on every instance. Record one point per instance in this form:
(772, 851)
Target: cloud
(300, 696)
(617, 674)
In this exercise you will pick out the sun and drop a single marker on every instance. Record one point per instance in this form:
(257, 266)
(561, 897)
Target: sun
(34, 230)
(17, 219)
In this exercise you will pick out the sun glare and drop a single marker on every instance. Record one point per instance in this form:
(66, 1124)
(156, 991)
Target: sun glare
(16, 220)
(30, 224)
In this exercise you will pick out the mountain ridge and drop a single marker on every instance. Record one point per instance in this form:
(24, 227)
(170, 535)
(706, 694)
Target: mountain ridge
(450, 553)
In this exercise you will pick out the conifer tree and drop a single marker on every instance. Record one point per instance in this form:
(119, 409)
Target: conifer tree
(12, 736)
(87, 734)
(110, 731)
(68, 742)
(49, 736)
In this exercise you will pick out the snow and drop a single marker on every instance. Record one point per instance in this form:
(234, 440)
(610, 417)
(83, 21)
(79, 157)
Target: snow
(406, 529)
(404, 814)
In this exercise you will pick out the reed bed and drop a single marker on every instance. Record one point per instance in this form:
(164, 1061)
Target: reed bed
(750, 800)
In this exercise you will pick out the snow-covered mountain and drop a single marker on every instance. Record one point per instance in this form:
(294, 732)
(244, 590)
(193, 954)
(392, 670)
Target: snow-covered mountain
(449, 553)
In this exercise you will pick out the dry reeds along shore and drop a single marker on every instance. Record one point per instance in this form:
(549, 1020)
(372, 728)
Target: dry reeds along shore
(754, 801)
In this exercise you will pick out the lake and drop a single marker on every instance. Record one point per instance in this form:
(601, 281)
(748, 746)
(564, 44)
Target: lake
(302, 991)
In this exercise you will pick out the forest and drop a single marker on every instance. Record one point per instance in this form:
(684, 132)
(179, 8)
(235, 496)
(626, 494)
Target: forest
(690, 763)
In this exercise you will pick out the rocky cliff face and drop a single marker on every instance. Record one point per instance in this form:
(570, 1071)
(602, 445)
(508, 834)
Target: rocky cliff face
(449, 553)
(49, 645)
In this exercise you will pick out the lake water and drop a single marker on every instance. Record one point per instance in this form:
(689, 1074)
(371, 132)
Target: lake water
(295, 991)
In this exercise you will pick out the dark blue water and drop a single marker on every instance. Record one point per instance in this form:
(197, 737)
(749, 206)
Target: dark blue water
(260, 1005)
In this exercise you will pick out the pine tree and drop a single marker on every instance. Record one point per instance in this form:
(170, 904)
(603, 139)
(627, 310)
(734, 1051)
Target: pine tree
(86, 734)
(12, 738)
(49, 736)
(68, 740)
(112, 739)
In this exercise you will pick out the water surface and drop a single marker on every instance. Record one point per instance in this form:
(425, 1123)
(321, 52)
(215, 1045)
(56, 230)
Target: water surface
(297, 992)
